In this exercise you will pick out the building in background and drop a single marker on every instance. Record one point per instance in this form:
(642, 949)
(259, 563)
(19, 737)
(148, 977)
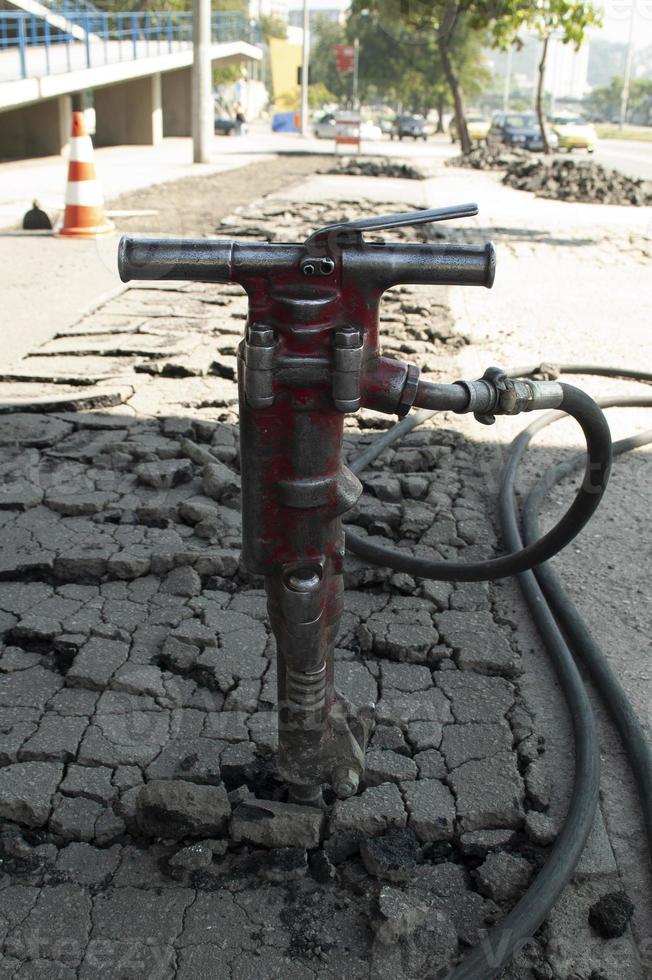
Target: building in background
(278, 9)
(334, 14)
(567, 71)
(285, 58)
(334, 10)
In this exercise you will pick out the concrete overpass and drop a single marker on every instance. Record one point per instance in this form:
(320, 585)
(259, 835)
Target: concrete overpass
(136, 65)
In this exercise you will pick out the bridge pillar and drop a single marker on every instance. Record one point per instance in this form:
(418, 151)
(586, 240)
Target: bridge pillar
(39, 130)
(177, 102)
(65, 120)
(129, 112)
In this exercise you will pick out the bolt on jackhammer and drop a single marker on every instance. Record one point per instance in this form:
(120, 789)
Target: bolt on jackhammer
(310, 355)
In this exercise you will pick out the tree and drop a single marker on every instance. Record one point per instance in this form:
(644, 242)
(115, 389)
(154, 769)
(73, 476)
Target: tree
(326, 35)
(565, 20)
(569, 20)
(428, 54)
(450, 33)
(604, 102)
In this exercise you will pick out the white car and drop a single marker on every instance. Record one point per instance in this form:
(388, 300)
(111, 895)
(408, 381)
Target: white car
(324, 128)
(370, 131)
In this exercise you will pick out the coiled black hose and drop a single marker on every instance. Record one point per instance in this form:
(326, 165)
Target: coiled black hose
(598, 443)
(487, 961)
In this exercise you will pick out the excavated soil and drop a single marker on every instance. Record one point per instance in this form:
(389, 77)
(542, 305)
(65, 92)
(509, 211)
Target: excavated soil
(191, 206)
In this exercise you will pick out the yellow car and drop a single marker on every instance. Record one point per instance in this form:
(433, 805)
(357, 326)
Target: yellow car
(478, 127)
(574, 132)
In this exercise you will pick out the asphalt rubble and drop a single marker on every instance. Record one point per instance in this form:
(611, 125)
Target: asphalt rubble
(559, 178)
(375, 167)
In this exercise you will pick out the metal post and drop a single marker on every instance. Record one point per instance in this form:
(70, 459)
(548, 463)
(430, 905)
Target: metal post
(87, 41)
(356, 55)
(21, 45)
(508, 79)
(202, 89)
(46, 30)
(628, 69)
(305, 69)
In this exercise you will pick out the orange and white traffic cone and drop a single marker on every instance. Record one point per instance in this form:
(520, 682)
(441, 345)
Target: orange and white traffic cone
(84, 215)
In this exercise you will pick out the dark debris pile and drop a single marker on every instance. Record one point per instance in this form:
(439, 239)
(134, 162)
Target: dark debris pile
(377, 167)
(577, 180)
(560, 178)
(484, 157)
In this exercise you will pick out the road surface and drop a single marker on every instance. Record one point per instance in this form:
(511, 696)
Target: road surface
(630, 156)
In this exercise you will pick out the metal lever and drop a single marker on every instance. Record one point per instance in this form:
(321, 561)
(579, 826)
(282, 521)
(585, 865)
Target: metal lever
(401, 220)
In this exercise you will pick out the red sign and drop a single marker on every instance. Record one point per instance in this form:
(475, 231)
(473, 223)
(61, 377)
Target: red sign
(344, 57)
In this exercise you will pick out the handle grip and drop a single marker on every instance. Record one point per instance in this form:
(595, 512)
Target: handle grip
(175, 258)
(440, 264)
(206, 260)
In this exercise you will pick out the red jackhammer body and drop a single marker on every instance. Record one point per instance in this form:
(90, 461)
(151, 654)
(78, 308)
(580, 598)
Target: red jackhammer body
(310, 355)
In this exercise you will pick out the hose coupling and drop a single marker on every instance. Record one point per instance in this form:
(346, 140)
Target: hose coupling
(498, 394)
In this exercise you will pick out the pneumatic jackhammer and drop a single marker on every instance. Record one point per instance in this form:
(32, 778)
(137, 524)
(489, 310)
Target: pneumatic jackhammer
(309, 356)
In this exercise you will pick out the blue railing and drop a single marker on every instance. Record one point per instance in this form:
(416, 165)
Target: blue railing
(31, 46)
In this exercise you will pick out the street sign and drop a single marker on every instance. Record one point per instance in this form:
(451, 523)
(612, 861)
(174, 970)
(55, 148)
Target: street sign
(344, 57)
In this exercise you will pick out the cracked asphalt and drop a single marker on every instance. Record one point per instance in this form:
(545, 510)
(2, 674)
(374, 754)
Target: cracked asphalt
(145, 832)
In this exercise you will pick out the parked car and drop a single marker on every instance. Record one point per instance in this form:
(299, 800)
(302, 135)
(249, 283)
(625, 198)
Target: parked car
(574, 132)
(324, 127)
(227, 127)
(412, 126)
(370, 130)
(476, 124)
(519, 129)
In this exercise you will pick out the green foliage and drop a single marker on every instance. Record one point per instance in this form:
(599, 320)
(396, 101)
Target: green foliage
(566, 20)
(115, 6)
(226, 74)
(438, 48)
(605, 101)
(400, 57)
(319, 95)
(272, 27)
(326, 34)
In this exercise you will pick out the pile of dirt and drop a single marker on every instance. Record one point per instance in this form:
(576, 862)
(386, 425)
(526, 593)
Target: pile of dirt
(378, 167)
(577, 180)
(484, 157)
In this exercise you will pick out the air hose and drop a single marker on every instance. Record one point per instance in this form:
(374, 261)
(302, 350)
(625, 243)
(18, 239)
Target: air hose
(598, 442)
(575, 629)
(545, 595)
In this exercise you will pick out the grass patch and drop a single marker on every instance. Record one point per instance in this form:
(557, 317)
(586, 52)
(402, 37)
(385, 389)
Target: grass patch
(607, 131)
